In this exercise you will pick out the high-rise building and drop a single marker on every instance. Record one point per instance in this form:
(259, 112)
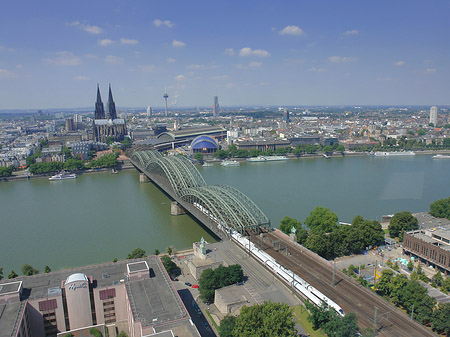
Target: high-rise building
(434, 115)
(216, 107)
(286, 116)
(149, 111)
(70, 125)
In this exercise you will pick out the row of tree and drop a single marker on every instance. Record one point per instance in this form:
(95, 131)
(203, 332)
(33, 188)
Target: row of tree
(414, 299)
(267, 319)
(328, 238)
(27, 270)
(6, 171)
(210, 280)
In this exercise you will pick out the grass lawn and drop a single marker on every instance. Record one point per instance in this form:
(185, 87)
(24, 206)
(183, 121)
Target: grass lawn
(301, 316)
(212, 320)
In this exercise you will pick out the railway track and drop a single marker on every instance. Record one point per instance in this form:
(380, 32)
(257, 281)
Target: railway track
(352, 297)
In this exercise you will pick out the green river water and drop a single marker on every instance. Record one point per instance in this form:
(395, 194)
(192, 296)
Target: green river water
(100, 216)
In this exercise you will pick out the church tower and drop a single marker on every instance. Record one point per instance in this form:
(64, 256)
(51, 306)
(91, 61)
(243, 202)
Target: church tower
(99, 108)
(111, 112)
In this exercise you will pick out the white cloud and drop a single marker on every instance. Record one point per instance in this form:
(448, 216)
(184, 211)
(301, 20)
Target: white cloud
(159, 23)
(64, 58)
(178, 44)
(19, 66)
(399, 63)
(105, 42)
(253, 52)
(431, 70)
(129, 41)
(170, 60)
(220, 77)
(81, 78)
(231, 85)
(196, 66)
(316, 70)
(147, 68)
(6, 73)
(113, 59)
(229, 51)
(351, 32)
(291, 30)
(87, 28)
(342, 59)
(255, 64)
(90, 56)
(180, 78)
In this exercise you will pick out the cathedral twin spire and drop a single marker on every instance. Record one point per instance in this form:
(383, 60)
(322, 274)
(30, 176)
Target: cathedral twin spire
(111, 106)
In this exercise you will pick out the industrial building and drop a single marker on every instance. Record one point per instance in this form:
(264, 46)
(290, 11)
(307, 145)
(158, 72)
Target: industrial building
(134, 296)
(431, 246)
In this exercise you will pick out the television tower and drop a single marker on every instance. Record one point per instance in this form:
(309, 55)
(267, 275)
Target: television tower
(165, 96)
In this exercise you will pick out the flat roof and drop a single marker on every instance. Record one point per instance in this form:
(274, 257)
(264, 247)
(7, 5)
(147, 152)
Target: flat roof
(137, 266)
(9, 313)
(11, 287)
(234, 294)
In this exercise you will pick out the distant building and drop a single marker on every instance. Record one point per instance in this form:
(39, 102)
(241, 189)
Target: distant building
(434, 115)
(262, 145)
(216, 107)
(70, 125)
(286, 116)
(149, 111)
(107, 124)
(204, 144)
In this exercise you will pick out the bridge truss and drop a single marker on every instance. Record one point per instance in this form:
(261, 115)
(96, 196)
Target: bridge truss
(226, 206)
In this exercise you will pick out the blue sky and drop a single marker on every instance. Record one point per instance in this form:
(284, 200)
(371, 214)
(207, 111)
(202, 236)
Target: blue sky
(394, 52)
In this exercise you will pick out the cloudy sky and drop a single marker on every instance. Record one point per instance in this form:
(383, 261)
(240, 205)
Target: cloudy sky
(252, 52)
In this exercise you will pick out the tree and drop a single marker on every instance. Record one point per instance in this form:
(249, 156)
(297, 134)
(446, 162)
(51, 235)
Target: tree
(126, 142)
(210, 280)
(268, 319)
(136, 254)
(1, 273)
(28, 270)
(73, 164)
(6, 171)
(109, 140)
(438, 279)
(109, 160)
(169, 250)
(156, 252)
(12, 274)
(66, 152)
(410, 265)
(401, 222)
(421, 132)
(169, 265)
(95, 332)
(440, 318)
(321, 219)
(441, 208)
(47, 269)
(115, 260)
(287, 223)
(122, 334)
(446, 285)
(341, 326)
(319, 243)
(199, 157)
(227, 325)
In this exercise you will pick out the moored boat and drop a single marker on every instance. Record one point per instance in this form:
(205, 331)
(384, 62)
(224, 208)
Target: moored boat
(62, 176)
(230, 163)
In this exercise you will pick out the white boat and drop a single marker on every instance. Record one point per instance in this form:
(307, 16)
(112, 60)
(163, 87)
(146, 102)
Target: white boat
(230, 163)
(391, 154)
(441, 156)
(62, 176)
(267, 158)
(205, 164)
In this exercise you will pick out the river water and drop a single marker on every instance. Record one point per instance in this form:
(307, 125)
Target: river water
(98, 217)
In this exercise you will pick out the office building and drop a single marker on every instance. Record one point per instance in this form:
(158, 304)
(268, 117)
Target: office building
(216, 107)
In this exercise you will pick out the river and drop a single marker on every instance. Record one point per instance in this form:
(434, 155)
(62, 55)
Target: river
(98, 217)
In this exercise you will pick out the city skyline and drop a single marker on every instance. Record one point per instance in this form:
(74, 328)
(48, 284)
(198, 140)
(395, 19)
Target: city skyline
(252, 53)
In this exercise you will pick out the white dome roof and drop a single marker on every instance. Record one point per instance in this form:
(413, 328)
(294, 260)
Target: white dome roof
(76, 277)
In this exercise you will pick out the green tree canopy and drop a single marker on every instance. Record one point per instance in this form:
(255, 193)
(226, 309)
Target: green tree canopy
(227, 325)
(440, 319)
(109, 140)
(1, 273)
(287, 223)
(136, 253)
(73, 164)
(108, 160)
(12, 274)
(210, 280)
(441, 208)
(169, 265)
(268, 319)
(28, 270)
(198, 156)
(321, 219)
(47, 269)
(401, 222)
(6, 171)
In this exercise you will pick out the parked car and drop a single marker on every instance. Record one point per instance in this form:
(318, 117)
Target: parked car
(188, 284)
(194, 286)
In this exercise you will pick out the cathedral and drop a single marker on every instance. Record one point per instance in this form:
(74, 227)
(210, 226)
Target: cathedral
(107, 124)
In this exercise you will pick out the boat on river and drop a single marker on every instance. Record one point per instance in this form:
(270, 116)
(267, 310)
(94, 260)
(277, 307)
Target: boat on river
(260, 159)
(230, 163)
(391, 154)
(205, 164)
(441, 156)
(62, 176)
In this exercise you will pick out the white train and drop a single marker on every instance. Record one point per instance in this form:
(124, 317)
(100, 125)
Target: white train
(289, 277)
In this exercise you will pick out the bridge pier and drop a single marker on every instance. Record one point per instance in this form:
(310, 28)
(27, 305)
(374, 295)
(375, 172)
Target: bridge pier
(143, 178)
(176, 209)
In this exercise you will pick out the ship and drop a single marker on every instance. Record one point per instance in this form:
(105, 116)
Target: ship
(230, 163)
(390, 154)
(62, 176)
(205, 164)
(267, 158)
(441, 156)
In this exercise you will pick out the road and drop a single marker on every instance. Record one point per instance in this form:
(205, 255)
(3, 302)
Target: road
(351, 296)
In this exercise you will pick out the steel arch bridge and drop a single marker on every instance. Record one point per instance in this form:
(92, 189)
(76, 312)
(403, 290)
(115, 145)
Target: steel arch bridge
(226, 206)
